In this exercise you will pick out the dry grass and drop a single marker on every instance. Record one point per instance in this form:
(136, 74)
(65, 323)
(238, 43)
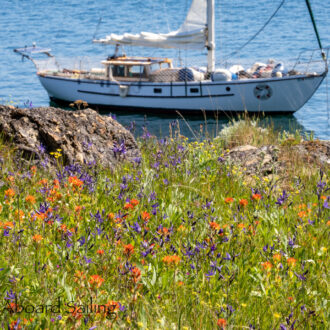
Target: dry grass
(247, 131)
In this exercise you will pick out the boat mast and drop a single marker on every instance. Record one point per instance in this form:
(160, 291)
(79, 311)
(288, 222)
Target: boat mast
(210, 36)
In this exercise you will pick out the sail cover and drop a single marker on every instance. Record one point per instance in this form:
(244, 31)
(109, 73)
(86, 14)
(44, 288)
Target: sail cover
(191, 34)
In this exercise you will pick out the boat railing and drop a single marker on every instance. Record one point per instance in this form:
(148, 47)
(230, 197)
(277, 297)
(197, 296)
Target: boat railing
(312, 61)
(73, 63)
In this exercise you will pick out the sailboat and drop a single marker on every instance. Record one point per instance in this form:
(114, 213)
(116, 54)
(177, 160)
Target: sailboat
(154, 83)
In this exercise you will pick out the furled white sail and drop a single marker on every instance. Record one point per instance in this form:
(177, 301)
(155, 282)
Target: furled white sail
(191, 34)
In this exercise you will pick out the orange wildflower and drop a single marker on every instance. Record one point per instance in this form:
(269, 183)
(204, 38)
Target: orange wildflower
(171, 260)
(111, 216)
(136, 274)
(163, 231)
(76, 313)
(96, 280)
(145, 216)
(37, 238)
(291, 261)
(8, 225)
(302, 214)
(75, 182)
(113, 305)
(56, 184)
(30, 199)
(77, 208)
(214, 225)
(222, 323)
(267, 265)
(134, 202)
(180, 283)
(256, 197)
(128, 206)
(100, 252)
(290, 298)
(241, 225)
(10, 193)
(323, 197)
(79, 275)
(128, 249)
(229, 200)
(43, 182)
(55, 195)
(118, 220)
(33, 169)
(277, 257)
(19, 214)
(15, 325)
(243, 202)
(63, 228)
(251, 229)
(181, 228)
(26, 321)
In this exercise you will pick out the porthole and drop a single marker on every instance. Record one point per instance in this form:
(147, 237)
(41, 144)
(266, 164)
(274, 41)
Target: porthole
(228, 89)
(194, 90)
(263, 92)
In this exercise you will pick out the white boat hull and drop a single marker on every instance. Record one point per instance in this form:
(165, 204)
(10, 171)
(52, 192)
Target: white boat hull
(272, 95)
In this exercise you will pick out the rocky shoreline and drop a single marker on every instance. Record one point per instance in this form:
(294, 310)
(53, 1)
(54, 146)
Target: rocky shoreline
(84, 136)
(81, 136)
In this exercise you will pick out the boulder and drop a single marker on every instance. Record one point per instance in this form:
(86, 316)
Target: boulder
(81, 136)
(255, 160)
(269, 159)
(315, 151)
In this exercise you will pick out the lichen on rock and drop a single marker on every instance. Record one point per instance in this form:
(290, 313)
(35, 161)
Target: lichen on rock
(82, 136)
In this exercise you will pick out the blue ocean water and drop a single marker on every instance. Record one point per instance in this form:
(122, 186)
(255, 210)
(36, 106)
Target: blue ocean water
(68, 28)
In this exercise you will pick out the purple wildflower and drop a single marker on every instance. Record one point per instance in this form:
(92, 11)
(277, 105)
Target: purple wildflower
(42, 148)
(119, 149)
(137, 227)
(88, 261)
(301, 277)
(283, 198)
(28, 104)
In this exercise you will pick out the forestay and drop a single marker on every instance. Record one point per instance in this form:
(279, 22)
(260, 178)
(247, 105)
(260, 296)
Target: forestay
(191, 34)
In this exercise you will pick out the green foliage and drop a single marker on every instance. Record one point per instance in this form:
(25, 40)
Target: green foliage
(176, 240)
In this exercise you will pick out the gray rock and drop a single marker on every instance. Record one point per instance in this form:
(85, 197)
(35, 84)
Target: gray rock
(261, 160)
(82, 135)
(316, 151)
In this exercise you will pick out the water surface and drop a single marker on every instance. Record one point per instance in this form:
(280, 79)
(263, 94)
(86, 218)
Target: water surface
(69, 26)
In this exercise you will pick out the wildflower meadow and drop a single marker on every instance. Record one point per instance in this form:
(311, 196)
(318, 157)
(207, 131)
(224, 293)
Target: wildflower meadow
(179, 238)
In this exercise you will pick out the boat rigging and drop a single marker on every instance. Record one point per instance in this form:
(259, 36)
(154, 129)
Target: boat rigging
(150, 83)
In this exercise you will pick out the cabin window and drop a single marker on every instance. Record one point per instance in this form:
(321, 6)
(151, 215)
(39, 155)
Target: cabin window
(165, 65)
(136, 71)
(118, 71)
(194, 90)
(157, 90)
(228, 89)
(154, 67)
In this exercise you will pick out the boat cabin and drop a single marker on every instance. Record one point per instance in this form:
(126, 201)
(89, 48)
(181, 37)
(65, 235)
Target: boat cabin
(134, 68)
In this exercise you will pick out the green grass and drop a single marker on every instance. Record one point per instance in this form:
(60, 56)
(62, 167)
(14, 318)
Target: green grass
(178, 240)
